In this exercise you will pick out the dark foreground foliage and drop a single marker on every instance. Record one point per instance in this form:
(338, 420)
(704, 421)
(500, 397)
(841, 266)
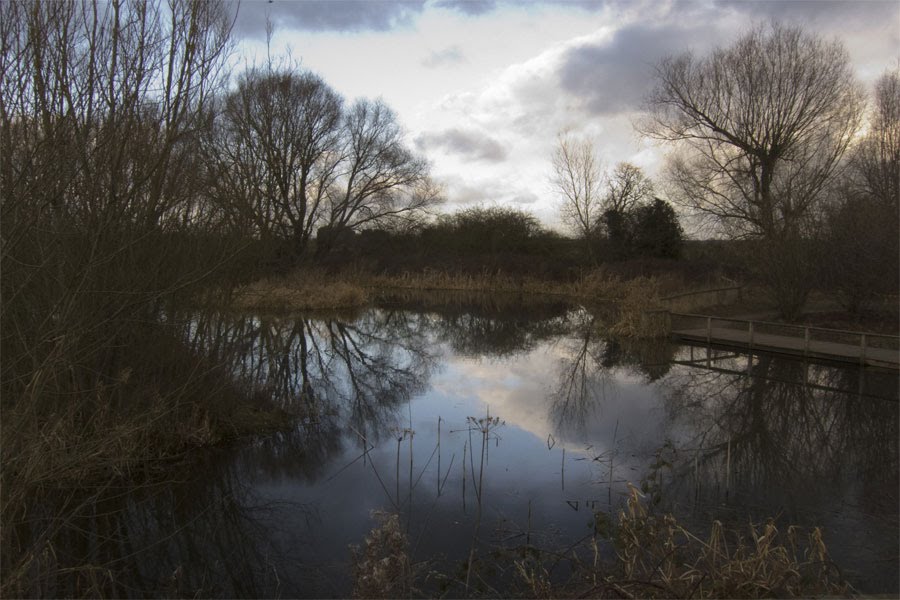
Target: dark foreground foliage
(655, 557)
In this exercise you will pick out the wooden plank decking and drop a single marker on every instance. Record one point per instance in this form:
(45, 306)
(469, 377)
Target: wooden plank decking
(878, 357)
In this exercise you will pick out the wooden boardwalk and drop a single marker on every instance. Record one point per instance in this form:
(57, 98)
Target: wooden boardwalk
(747, 335)
(876, 357)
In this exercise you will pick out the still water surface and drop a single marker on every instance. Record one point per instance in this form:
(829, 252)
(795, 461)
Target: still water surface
(387, 402)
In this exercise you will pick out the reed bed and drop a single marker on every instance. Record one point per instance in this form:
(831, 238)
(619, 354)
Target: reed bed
(597, 284)
(311, 289)
(659, 558)
(655, 557)
(300, 290)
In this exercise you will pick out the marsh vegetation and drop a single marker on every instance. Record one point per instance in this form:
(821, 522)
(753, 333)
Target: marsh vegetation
(504, 437)
(236, 319)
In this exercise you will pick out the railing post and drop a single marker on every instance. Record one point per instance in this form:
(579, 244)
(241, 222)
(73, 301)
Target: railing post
(708, 330)
(862, 350)
(806, 341)
(750, 324)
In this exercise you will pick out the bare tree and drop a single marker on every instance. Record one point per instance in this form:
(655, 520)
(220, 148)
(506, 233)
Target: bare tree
(378, 179)
(578, 178)
(760, 128)
(863, 226)
(876, 161)
(275, 153)
(627, 187)
(290, 161)
(101, 106)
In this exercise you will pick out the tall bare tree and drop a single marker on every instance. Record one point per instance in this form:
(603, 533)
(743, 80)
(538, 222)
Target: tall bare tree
(876, 160)
(578, 179)
(760, 128)
(290, 161)
(101, 104)
(378, 178)
(275, 152)
(863, 225)
(100, 107)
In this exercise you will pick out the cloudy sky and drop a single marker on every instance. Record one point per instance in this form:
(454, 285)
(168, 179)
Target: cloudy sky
(484, 87)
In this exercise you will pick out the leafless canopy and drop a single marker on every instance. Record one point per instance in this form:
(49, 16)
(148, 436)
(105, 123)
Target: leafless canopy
(578, 177)
(877, 159)
(273, 152)
(290, 159)
(627, 187)
(379, 177)
(760, 126)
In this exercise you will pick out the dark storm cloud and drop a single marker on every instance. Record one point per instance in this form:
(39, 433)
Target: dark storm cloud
(466, 143)
(613, 77)
(447, 56)
(326, 15)
(829, 14)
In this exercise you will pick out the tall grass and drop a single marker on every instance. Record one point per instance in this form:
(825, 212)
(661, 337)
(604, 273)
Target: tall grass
(300, 290)
(655, 557)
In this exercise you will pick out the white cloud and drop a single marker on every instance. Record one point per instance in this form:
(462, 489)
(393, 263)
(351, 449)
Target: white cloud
(486, 87)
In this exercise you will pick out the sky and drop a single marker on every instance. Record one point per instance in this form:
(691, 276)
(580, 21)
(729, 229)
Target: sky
(483, 89)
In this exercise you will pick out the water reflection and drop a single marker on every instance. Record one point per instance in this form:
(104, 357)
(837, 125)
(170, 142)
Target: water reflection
(748, 437)
(196, 536)
(495, 325)
(784, 421)
(757, 435)
(593, 369)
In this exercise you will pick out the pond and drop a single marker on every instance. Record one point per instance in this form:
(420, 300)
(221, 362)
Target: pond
(392, 407)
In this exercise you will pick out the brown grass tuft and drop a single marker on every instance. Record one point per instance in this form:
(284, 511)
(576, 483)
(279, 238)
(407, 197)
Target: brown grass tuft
(382, 568)
(659, 558)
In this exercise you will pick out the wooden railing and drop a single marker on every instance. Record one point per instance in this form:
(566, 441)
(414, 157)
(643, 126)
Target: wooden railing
(809, 340)
(702, 298)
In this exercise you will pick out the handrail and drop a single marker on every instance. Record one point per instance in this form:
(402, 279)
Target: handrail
(773, 323)
(698, 292)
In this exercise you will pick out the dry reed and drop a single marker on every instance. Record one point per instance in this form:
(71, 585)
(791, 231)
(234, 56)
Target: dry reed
(656, 557)
(301, 290)
(381, 568)
(660, 558)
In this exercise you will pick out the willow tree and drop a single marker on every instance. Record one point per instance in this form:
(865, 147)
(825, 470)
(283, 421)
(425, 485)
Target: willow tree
(290, 160)
(273, 153)
(759, 128)
(379, 180)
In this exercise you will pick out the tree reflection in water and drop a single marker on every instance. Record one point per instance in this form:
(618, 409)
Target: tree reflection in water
(778, 434)
(763, 434)
(743, 437)
(591, 368)
(210, 534)
(784, 421)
